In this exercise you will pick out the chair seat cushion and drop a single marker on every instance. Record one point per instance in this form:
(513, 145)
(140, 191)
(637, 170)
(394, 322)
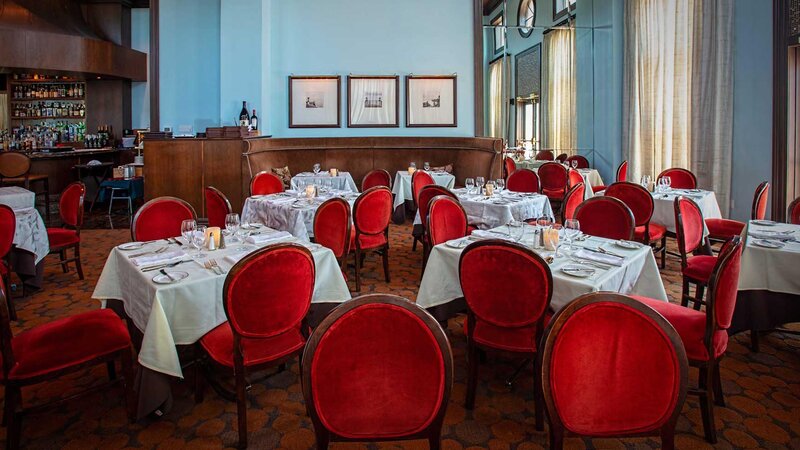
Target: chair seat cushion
(62, 237)
(68, 342)
(218, 343)
(724, 228)
(554, 193)
(700, 267)
(368, 241)
(691, 326)
(598, 188)
(522, 339)
(657, 232)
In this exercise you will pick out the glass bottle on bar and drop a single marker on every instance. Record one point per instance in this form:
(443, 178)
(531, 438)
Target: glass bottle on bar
(244, 116)
(254, 121)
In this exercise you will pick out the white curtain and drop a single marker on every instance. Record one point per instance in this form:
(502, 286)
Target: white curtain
(497, 102)
(560, 130)
(678, 86)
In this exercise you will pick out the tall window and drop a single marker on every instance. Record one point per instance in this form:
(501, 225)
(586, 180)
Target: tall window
(562, 7)
(497, 102)
(560, 130)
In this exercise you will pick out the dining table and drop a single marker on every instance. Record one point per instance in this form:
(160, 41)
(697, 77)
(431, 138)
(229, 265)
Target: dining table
(631, 269)
(30, 244)
(291, 210)
(171, 313)
(402, 190)
(342, 181)
(769, 285)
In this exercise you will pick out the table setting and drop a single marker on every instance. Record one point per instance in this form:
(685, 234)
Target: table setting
(331, 179)
(31, 243)
(16, 197)
(402, 182)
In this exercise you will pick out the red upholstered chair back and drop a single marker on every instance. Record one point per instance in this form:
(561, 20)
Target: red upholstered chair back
(372, 211)
(635, 197)
(419, 180)
(378, 367)
(724, 284)
(265, 183)
(793, 214)
(332, 226)
(760, 199)
(572, 199)
(606, 217)
(8, 225)
(505, 284)
(562, 157)
(269, 291)
(426, 194)
(160, 218)
(376, 177)
(636, 380)
(6, 334)
(509, 166)
(544, 155)
(622, 171)
(446, 220)
(679, 178)
(583, 163)
(70, 205)
(575, 177)
(217, 207)
(523, 180)
(689, 226)
(553, 176)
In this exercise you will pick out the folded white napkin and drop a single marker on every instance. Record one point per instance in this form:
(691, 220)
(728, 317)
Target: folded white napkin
(264, 238)
(234, 258)
(484, 234)
(599, 257)
(772, 236)
(159, 258)
(282, 200)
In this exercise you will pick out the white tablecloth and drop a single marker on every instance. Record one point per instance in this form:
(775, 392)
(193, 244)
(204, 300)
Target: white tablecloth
(343, 182)
(664, 212)
(17, 197)
(181, 313)
(767, 269)
(529, 164)
(402, 185)
(638, 275)
(486, 213)
(31, 234)
(288, 212)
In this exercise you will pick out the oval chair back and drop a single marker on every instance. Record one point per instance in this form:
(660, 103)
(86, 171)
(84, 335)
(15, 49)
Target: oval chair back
(523, 180)
(372, 211)
(377, 404)
(545, 155)
(446, 220)
(722, 288)
(562, 157)
(8, 226)
(759, 211)
(70, 205)
(689, 227)
(265, 183)
(679, 178)
(376, 177)
(160, 218)
(14, 164)
(574, 177)
(509, 166)
(217, 207)
(332, 226)
(426, 194)
(793, 212)
(622, 171)
(637, 198)
(583, 162)
(572, 199)
(553, 178)
(606, 217)
(419, 179)
(638, 374)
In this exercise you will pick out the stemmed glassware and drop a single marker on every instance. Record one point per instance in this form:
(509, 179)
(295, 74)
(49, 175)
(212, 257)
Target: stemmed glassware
(479, 182)
(198, 239)
(645, 182)
(667, 183)
(232, 225)
(317, 168)
(187, 230)
(572, 229)
(427, 166)
(574, 163)
(500, 184)
(470, 184)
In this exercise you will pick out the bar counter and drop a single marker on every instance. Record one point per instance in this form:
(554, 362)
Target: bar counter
(60, 166)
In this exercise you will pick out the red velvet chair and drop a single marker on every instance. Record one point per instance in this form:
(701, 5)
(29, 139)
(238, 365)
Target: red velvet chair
(523, 180)
(57, 348)
(705, 333)
(425, 195)
(562, 157)
(68, 236)
(574, 177)
(679, 178)
(622, 175)
(509, 166)
(721, 230)
(8, 227)
(372, 213)
(446, 220)
(266, 297)
(333, 227)
(352, 394)
(265, 183)
(612, 367)
(583, 163)
(606, 217)
(697, 262)
(376, 177)
(507, 306)
(554, 179)
(160, 218)
(217, 207)
(572, 199)
(640, 202)
(419, 179)
(793, 213)
(545, 155)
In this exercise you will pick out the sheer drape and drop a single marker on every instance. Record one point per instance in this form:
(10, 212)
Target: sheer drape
(678, 86)
(497, 96)
(560, 131)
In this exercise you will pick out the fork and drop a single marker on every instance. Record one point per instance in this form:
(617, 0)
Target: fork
(216, 266)
(207, 265)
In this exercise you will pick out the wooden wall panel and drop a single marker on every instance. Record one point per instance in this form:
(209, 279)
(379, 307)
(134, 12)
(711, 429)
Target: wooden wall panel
(222, 169)
(175, 168)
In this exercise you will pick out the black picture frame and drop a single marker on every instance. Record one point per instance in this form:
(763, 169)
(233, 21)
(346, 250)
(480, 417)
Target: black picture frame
(338, 79)
(409, 79)
(351, 78)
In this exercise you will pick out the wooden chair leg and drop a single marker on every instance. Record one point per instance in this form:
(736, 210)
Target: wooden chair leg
(385, 255)
(63, 255)
(358, 269)
(668, 438)
(13, 418)
(323, 438)
(664, 252)
(698, 299)
(556, 438)
(12, 311)
(538, 395)
(414, 244)
(435, 441)
(199, 382)
(112, 370)
(685, 293)
(129, 380)
(78, 265)
(241, 407)
(707, 404)
(472, 375)
(719, 396)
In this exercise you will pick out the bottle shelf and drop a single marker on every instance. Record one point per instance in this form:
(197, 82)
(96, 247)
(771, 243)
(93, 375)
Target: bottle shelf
(31, 81)
(50, 99)
(46, 117)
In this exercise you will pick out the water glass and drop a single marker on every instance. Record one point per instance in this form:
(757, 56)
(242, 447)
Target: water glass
(574, 163)
(317, 168)
(187, 230)
(198, 239)
(470, 184)
(667, 183)
(232, 224)
(501, 184)
(427, 166)
(479, 182)
(645, 182)
(516, 230)
(572, 229)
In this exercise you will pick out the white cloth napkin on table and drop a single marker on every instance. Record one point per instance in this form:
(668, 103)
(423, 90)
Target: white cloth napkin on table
(772, 236)
(483, 234)
(600, 257)
(159, 258)
(264, 238)
(281, 200)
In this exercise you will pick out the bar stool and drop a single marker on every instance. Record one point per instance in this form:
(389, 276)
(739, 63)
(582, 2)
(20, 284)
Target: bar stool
(113, 197)
(15, 170)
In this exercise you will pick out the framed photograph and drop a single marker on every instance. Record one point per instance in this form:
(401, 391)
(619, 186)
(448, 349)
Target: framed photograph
(373, 101)
(499, 33)
(431, 101)
(314, 102)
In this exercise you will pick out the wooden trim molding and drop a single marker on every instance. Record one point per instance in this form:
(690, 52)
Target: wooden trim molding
(477, 21)
(779, 107)
(154, 68)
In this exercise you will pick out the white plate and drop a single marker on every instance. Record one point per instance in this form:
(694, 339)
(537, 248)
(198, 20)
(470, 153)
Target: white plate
(177, 276)
(765, 223)
(131, 246)
(577, 271)
(630, 245)
(298, 205)
(768, 244)
(457, 243)
(256, 197)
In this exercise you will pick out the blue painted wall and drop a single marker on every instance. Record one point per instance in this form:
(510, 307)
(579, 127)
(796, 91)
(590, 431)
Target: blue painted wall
(240, 58)
(140, 91)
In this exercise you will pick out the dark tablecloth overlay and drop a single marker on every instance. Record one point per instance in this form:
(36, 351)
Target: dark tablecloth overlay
(134, 186)
(761, 310)
(23, 263)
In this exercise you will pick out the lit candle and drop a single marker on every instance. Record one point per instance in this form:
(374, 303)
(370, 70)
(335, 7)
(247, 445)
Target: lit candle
(488, 189)
(212, 233)
(310, 190)
(411, 170)
(550, 238)
(334, 172)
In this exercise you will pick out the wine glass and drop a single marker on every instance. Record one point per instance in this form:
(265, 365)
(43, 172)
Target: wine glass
(645, 181)
(427, 166)
(232, 224)
(572, 229)
(317, 168)
(500, 184)
(187, 230)
(667, 183)
(574, 163)
(479, 182)
(470, 184)
(198, 239)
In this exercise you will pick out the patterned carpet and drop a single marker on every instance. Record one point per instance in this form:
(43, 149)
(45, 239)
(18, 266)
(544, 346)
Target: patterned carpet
(763, 390)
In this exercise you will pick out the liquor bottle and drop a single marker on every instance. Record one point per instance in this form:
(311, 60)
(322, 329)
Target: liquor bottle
(244, 116)
(254, 121)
